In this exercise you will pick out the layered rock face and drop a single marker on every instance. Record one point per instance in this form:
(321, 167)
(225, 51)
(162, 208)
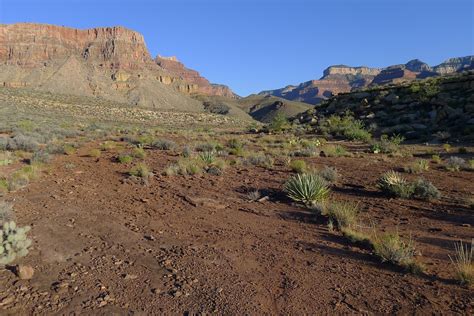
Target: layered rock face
(340, 78)
(32, 45)
(111, 62)
(201, 84)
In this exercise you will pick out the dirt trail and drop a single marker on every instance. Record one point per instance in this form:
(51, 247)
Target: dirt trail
(180, 245)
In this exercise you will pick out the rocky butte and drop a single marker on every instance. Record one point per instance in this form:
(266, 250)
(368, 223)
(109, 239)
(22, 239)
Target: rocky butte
(341, 78)
(109, 62)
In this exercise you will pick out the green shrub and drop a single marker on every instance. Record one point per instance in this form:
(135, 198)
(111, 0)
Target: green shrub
(124, 158)
(305, 152)
(141, 171)
(345, 126)
(298, 166)
(394, 184)
(335, 151)
(278, 123)
(139, 153)
(307, 188)
(259, 160)
(447, 148)
(187, 152)
(436, 159)
(425, 190)
(463, 264)
(387, 145)
(14, 243)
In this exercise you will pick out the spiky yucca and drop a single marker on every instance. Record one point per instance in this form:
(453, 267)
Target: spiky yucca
(307, 188)
(394, 183)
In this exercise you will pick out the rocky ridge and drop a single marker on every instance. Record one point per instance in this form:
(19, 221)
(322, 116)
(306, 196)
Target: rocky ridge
(439, 108)
(341, 78)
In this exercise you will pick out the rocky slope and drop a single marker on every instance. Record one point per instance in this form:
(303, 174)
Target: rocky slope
(111, 62)
(341, 78)
(440, 108)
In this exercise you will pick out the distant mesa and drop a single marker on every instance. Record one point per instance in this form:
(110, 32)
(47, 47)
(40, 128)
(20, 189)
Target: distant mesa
(341, 78)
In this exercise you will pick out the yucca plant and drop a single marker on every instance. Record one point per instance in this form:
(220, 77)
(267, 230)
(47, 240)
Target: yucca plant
(307, 188)
(462, 262)
(208, 157)
(395, 184)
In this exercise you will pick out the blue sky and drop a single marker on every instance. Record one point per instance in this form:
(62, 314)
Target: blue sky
(254, 45)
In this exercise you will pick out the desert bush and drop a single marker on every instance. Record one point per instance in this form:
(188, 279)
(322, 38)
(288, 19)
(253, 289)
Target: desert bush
(216, 108)
(6, 212)
(40, 156)
(307, 188)
(334, 151)
(186, 166)
(141, 171)
(346, 127)
(124, 158)
(344, 214)
(163, 144)
(447, 148)
(436, 159)
(259, 160)
(470, 164)
(139, 153)
(14, 243)
(94, 153)
(3, 186)
(463, 264)
(425, 190)
(387, 145)
(22, 142)
(208, 157)
(279, 123)
(392, 248)
(305, 152)
(187, 152)
(298, 166)
(330, 174)
(455, 164)
(234, 143)
(418, 166)
(6, 158)
(395, 184)
(208, 147)
(108, 145)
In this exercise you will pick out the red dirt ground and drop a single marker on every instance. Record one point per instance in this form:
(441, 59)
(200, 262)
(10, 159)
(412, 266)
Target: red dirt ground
(196, 245)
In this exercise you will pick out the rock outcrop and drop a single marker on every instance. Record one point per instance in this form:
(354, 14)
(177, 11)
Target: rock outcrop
(200, 84)
(110, 62)
(340, 78)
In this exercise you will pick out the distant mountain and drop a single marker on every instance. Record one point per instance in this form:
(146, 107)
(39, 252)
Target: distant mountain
(110, 62)
(341, 78)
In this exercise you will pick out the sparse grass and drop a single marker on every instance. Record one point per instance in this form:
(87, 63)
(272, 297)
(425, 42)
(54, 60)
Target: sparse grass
(108, 145)
(253, 195)
(95, 153)
(298, 166)
(308, 189)
(305, 152)
(344, 214)
(259, 160)
(447, 148)
(419, 166)
(185, 166)
(387, 145)
(208, 157)
(357, 237)
(40, 156)
(6, 212)
(6, 158)
(335, 151)
(463, 264)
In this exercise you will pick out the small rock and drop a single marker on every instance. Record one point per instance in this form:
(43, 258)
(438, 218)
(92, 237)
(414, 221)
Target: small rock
(130, 276)
(24, 272)
(7, 300)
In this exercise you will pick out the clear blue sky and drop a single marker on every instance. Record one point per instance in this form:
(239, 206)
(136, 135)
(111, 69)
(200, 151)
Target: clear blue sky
(254, 45)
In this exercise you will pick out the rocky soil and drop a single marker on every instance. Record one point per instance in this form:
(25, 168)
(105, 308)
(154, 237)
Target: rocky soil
(104, 244)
